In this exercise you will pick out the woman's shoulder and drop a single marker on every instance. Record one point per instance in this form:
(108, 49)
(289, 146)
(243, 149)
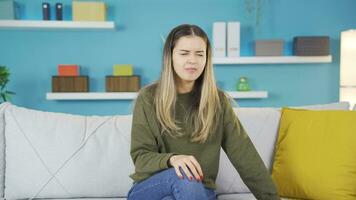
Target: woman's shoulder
(226, 99)
(147, 93)
(222, 95)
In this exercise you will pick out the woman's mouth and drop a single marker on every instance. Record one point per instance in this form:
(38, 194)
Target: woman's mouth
(191, 70)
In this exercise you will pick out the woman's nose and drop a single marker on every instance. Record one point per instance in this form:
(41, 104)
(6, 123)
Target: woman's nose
(192, 60)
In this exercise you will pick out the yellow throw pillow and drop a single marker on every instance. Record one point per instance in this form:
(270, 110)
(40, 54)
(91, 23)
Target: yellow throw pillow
(315, 155)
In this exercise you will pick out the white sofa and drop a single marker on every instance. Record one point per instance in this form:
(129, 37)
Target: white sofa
(56, 155)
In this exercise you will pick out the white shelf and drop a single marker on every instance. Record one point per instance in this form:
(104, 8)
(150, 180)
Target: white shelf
(272, 60)
(64, 25)
(92, 96)
(248, 95)
(133, 95)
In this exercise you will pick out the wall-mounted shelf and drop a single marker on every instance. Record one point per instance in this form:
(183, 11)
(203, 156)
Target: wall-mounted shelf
(272, 60)
(58, 25)
(248, 95)
(133, 95)
(91, 95)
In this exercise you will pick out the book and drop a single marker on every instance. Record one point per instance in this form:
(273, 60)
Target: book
(46, 14)
(233, 39)
(59, 11)
(219, 39)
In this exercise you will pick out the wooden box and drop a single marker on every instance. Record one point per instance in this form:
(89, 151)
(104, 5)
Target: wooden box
(70, 84)
(122, 83)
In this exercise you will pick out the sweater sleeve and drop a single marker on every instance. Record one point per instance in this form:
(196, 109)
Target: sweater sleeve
(245, 158)
(144, 146)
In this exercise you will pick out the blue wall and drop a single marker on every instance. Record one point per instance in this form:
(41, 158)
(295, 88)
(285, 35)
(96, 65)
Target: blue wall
(32, 56)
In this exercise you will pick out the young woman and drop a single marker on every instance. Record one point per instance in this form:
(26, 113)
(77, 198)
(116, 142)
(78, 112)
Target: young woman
(179, 124)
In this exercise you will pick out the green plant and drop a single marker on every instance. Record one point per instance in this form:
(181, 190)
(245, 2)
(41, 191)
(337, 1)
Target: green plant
(4, 79)
(253, 9)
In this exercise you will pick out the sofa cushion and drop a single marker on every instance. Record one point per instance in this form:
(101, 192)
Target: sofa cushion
(89, 199)
(54, 155)
(261, 124)
(315, 154)
(241, 196)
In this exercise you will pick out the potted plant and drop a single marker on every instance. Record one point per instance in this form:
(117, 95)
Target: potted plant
(4, 79)
(253, 9)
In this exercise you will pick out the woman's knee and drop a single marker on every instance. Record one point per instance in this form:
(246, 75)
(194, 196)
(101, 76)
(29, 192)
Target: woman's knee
(158, 185)
(170, 197)
(194, 184)
(189, 189)
(185, 188)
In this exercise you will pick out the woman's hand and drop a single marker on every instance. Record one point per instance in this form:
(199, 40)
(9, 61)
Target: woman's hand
(188, 164)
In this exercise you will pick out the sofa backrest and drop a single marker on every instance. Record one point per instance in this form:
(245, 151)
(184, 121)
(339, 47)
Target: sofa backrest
(53, 152)
(343, 105)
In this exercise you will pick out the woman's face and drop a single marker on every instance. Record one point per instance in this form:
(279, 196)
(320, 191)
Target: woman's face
(189, 58)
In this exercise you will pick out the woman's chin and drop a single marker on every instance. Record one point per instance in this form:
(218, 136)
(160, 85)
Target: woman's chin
(190, 79)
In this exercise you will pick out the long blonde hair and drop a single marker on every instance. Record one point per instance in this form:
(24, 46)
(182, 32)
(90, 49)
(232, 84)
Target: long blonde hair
(206, 103)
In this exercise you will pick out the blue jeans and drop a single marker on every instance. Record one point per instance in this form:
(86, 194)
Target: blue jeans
(166, 185)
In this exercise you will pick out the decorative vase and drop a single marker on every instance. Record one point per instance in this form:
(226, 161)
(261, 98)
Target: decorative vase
(242, 85)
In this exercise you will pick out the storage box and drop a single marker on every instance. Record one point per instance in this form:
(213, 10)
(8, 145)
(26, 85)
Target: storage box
(68, 70)
(122, 83)
(70, 84)
(7, 9)
(311, 46)
(269, 47)
(123, 70)
(88, 11)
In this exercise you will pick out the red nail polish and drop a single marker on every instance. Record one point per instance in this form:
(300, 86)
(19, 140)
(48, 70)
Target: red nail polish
(190, 178)
(198, 179)
(180, 177)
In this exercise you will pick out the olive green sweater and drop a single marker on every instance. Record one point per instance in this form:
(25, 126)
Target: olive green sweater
(150, 150)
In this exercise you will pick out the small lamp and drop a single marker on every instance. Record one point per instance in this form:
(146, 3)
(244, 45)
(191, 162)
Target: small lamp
(348, 67)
